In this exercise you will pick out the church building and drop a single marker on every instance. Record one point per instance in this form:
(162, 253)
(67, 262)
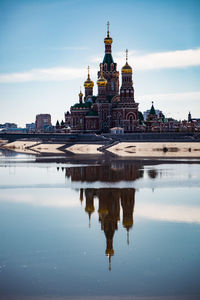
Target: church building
(113, 106)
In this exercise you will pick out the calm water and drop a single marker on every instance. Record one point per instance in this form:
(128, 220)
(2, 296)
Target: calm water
(108, 228)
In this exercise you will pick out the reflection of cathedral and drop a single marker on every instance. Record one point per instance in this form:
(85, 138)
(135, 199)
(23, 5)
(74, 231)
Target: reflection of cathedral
(109, 211)
(110, 200)
(105, 173)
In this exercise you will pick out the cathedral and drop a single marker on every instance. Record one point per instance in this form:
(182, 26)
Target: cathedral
(114, 106)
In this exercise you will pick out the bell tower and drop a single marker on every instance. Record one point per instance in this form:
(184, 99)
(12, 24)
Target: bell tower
(110, 72)
(127, 90)
(88, 84)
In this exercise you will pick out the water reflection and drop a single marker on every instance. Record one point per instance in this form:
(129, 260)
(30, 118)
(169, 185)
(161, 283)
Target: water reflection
(109, 201)
(106, 173)
(48, 249)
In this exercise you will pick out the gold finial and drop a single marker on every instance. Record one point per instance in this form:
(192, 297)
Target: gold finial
(126, 55)
(108, 25)
(101, 68)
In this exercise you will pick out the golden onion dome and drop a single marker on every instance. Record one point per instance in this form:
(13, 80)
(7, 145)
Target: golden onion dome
(80, 94)
(101, 81)
(88, 83)
(126, 68)
(108, 40)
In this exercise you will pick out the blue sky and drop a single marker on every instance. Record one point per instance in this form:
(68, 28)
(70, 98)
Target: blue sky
(46, 46)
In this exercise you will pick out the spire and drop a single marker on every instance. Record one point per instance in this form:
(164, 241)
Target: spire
(88, 84)
(108, 42)
(152, 110)
(88, 72)
(101, 81)
(108, 33)
(189, 117)
(101, 70)
(80, 96)
(126, 68)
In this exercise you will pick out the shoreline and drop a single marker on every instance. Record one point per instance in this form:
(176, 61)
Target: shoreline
(118, 149)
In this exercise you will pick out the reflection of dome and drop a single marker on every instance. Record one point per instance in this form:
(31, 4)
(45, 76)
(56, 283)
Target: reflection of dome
(103, 211)
(109, 252)
(127, 224)
(89, 209)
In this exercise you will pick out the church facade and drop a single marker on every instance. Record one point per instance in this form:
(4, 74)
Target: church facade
(113, 106)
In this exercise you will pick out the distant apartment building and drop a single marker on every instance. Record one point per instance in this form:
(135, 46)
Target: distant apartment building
(43, 122)
(30, 127)
(8, 125)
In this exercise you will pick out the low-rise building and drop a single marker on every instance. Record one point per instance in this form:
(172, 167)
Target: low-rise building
(43, 122)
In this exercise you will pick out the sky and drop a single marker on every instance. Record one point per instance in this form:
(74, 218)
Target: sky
(47, 45)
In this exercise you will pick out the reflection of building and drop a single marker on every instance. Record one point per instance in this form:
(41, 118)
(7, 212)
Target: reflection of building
(128, 202)
(105, 173)
(110, 199)
(89, 205)
(109, 211)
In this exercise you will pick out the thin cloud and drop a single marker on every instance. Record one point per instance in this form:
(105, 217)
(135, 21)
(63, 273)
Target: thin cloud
(158, 60)
(50, 74)
(194, 96)
(169, 213)
(166, 60)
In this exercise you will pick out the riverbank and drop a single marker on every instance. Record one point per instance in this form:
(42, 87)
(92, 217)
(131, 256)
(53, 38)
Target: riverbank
(116, 148)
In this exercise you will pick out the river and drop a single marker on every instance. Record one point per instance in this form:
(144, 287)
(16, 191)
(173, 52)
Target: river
(99, 229)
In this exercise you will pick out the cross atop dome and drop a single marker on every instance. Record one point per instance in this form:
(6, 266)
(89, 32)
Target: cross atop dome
(108, 40)
(108, 25)
(88, 72)
(126, 68)
(126, 55)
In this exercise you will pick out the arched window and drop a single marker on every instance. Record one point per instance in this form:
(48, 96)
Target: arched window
(112, 85)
